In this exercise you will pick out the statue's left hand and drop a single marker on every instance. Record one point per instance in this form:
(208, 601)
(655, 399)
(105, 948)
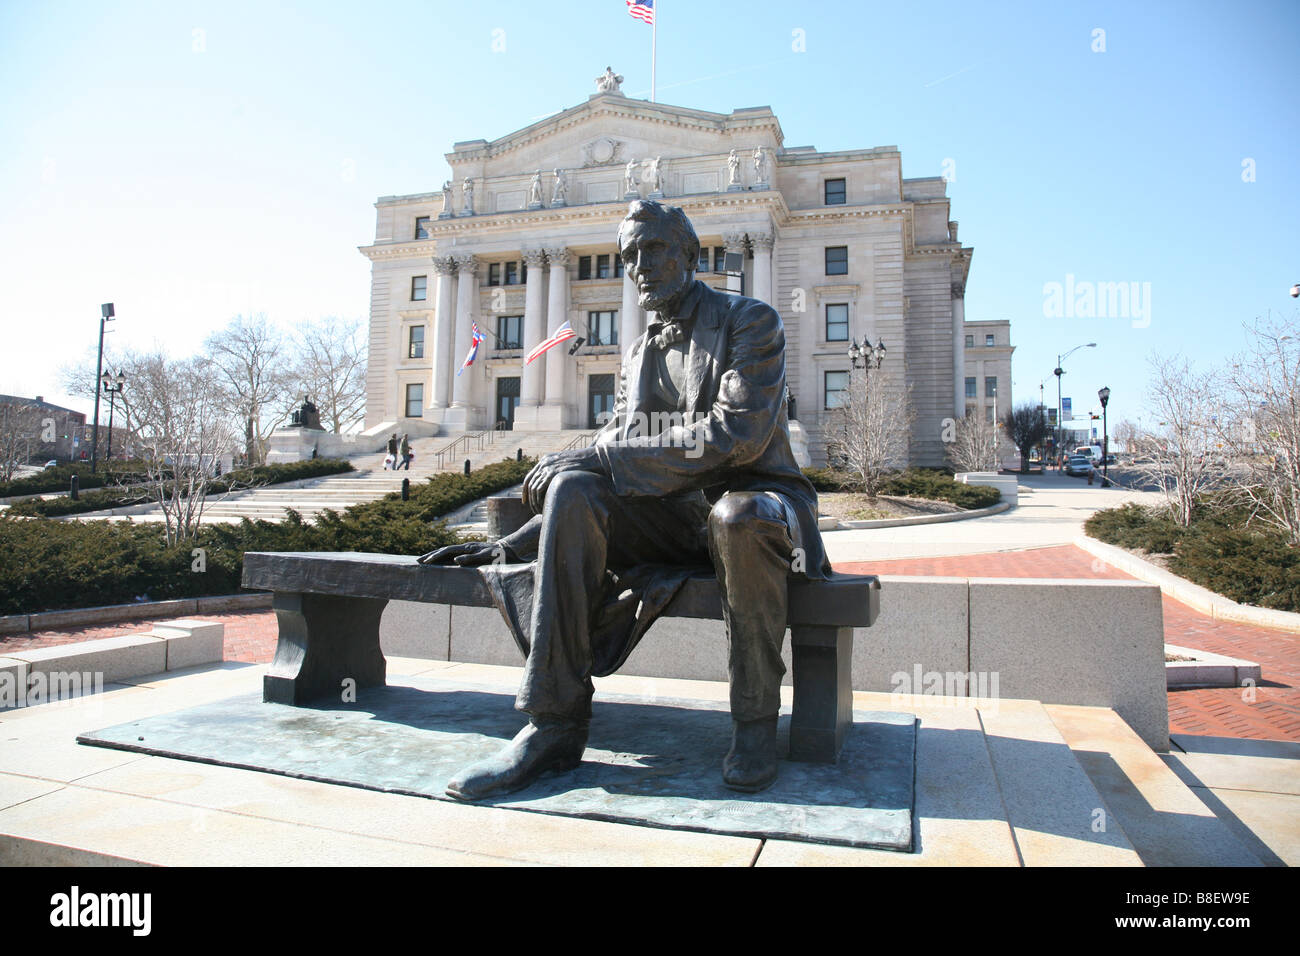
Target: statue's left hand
(556, 463)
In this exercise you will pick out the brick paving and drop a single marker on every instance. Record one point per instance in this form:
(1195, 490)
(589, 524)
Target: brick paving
(1273, 714)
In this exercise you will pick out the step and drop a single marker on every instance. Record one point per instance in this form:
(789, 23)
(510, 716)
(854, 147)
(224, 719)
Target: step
(1168, 824)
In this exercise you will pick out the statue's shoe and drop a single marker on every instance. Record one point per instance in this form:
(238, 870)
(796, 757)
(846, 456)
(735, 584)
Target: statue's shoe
(552, 745)
(750, 766)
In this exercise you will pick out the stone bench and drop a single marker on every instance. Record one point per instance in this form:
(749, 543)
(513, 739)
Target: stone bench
(328, 606)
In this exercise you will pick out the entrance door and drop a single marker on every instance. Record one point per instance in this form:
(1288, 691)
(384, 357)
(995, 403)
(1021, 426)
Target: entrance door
(507, 401)
(600, 399)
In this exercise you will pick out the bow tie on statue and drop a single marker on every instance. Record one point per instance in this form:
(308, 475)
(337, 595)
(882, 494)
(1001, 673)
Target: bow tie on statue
(662, 335)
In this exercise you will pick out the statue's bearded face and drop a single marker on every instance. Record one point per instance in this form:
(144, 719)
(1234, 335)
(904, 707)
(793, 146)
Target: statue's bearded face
(657, 264)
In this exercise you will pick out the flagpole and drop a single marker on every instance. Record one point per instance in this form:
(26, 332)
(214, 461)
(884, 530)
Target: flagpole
(654, 36)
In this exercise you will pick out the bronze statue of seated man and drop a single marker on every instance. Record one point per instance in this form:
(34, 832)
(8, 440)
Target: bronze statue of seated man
(693, 468)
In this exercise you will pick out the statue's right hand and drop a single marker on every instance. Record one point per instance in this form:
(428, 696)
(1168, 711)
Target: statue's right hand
(469, 554)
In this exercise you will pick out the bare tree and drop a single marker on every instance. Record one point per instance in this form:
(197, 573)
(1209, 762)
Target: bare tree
(868, 432)
(1183, 463)
(181, 433)
(1261, 426)
(973, 444)
(249, 367)
(330, 368)
(1026, 426)
(24, 425)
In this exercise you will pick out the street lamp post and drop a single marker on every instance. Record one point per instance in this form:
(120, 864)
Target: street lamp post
(865, 357)
(106, 314)
(112, 387)
(1058, 372)
(1104, 395)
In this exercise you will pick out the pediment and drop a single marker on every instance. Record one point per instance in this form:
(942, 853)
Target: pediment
(610, 130)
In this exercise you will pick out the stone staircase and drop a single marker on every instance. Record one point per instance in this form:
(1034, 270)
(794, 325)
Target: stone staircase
(370, 481)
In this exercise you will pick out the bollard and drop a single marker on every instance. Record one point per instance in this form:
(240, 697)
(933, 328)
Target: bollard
(406, 489)
(76, 487)
(467, 467)
(519, 454)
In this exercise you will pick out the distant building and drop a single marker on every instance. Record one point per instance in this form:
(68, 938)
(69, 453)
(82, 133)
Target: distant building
(522, 240)
(38, 430)
(986, 386)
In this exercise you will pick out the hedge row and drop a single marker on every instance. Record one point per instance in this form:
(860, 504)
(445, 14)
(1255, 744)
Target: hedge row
(932, 483)
(134, 494)
(48, 565)
(59, 478)
(1221, 550)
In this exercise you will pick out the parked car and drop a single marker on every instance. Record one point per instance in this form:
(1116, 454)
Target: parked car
(1078, 465)
(52, 463)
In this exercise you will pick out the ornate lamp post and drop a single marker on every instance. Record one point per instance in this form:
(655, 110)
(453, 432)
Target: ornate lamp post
(112, 387)
(106, 314)
(867, 356)
(1104, 395)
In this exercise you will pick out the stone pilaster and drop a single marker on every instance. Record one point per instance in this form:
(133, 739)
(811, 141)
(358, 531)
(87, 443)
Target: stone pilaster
(762, 243)
(458, 416)
(533, 375)
(557, 313)
(444, 324)
(959, 349)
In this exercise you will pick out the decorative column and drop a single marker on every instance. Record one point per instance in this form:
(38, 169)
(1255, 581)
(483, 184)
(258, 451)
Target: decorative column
(557, 313)
(457, 416)
(630, 326)
(762, 243)
(532, 376)
(959, 349)
(735, 242)
(444, 324)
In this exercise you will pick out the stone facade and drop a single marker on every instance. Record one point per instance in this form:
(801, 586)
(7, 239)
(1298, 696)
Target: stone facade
(839, 242)
(988, 351)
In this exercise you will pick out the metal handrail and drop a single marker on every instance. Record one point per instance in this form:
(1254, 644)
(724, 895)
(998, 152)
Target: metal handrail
(462, 444)
(579, 441)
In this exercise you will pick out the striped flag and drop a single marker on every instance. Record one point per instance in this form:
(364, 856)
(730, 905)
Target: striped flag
(563, 333)
(643, 10)
(476, 337)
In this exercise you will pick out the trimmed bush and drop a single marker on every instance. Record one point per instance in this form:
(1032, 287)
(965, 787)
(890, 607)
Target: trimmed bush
(1220, 550)
(936, 484)
(48, 565)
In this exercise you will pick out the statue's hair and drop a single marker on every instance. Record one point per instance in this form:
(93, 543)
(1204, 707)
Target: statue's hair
(680, 228)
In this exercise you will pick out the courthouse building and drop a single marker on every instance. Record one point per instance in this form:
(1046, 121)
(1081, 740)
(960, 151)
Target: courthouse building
(522, 240)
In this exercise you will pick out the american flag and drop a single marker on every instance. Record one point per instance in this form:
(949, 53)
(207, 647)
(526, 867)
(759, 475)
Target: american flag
(561, 334)
(642, 10)
(475, 339)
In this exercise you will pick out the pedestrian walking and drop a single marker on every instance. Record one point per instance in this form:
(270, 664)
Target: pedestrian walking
(406, 453)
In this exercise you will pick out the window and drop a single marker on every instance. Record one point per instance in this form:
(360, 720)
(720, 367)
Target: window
(512, 273)
(719, 259)
(510, 331)
(835, 192)
(584, 267)
(494, 274)
(602, 328)
(837, 322)
(991, 386)
(837, 387)
(703, 264)
(419, 288)
(422, 227)
(415, 347)
(602, 267)
(618, 266)
(988, 414)
(415, 400)
(970, 387)
(970, 341)
(719, 253)
(837, 260)
(988, 340)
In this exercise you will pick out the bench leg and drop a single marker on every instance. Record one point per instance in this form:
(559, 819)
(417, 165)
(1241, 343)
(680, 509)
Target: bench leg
(324, 640)
(823, 692)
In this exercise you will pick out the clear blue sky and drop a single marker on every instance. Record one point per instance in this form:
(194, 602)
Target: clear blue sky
(189, 161)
